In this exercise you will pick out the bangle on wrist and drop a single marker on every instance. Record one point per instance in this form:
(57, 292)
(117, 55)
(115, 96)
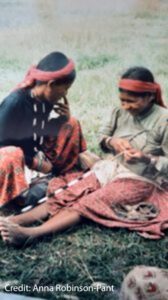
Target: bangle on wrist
(153, 160)
(107, 142)
(39, 164)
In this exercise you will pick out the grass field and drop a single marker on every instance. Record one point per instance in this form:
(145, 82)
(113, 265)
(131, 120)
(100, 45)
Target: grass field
(104, 38)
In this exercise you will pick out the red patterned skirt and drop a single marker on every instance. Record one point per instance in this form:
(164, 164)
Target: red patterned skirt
(95, 202)
(62, 151)
(12, 178)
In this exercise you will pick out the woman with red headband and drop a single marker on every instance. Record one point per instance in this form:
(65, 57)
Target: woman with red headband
(129, 188)
(140, 117)
(35, 118)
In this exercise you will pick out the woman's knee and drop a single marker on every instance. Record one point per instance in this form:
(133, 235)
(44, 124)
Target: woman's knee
(9, 153)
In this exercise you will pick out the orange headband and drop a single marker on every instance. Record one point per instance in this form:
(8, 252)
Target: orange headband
(142, 86)
(36, 74)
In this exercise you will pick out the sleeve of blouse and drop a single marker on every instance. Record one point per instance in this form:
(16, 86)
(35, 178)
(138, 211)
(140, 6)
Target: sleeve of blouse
(158, 145)
(10, 114)
(108, 129)
(162, 163)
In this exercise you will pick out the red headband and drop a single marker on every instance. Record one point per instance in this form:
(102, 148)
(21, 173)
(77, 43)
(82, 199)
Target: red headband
(142, 86)
(36, 74)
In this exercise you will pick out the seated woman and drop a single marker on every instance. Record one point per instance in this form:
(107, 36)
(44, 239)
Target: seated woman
(126, 190)
(35, 119)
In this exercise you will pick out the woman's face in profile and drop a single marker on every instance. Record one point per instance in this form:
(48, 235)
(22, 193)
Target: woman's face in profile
(54, 92)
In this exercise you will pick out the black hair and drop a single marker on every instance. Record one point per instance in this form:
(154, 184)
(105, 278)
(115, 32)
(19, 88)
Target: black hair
(138, 73)
(56, 61)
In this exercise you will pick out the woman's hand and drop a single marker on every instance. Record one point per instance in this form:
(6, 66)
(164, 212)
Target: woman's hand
(63, 108)
(134, 156)
(41, 163)
(119, 144)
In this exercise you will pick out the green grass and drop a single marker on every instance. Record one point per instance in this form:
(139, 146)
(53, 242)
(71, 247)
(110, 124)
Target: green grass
(104, 40)
(80, 256)
(93, 62)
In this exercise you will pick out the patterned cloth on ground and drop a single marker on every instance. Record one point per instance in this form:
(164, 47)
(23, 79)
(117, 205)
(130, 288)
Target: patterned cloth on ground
(145, 283)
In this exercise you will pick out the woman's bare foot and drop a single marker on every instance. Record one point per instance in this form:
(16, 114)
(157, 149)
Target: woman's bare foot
(11, 218)
(14, 234)
(39, 213)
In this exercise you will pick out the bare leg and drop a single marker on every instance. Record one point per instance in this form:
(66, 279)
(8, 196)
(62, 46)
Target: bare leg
(36, 214)
(16, 234)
